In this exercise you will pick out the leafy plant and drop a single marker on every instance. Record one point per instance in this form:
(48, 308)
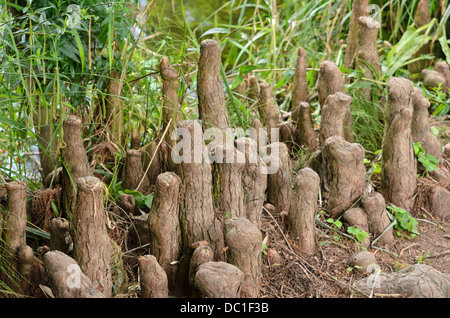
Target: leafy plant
(405, 222)
(439, 100)
(336, 223)
(429, 162)
(142, 201)
(359, 234)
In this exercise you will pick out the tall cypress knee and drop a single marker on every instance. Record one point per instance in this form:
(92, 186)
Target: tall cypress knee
(91, 243)
(197, 217)
(163, 218)
(398, 171)
(303, 208)
(210, 88)
(76, 164)
(244, 240)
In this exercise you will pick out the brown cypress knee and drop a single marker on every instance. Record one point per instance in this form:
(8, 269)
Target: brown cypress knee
(244, 241)
(301, 216)
(164, 224)
(91, 245)
(152, 277)
(398, 171)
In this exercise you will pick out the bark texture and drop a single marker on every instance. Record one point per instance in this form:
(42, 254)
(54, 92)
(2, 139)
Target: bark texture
(219, 280)
(434, 79)
(443, 69)
(66, 279)
(60, 238)
(269, 112)
(210, 89)
(171, 106)
(133, 173)
(334, 118)
(91, 245)
(254, 179)
(398, 172)
(329, 81)
(160, 162)
(164, 224)
(202, 254)
(244, 241)
(152, 278)
(302, 210)
(305, 135)
(367, 52)
(227, 179)
(279, 183)
(299, 85)
(15, 219)
(76, 164)
(344, 178)
(416, 281)
(440, 202)
(357, 217)
(375, 207)
(359, 8)
(197, 216)
(420, 125)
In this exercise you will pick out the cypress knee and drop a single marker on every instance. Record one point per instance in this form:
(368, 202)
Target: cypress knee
(375, 207)
(15, 219)
(279, 170)
(171, 107)
(197, 216)
(329, 81)
(333, 121)
(398, 171)
(202, 254)
(244, 241)
(303, 209)
(210, 88)
(420, 125)
(133, 177)
(227, 180)
(76, 163)
(218, 280)
(368, 53)
(165, 239)
(152, 277)
(359, 8)
(269, 113)
(306, 135)
(60, 238)
(253, 178)
(345, 177)
(91, 246)
(66, 279)
(299, 85)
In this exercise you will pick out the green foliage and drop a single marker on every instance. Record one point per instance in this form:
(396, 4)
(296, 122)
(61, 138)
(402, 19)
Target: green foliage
(429, 162)
(405, 222)
(359, 234)
(439, 100)
(142, 201)
(336, 223)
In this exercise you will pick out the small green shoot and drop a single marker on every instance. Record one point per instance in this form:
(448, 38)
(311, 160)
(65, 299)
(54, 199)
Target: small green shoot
(405, 222)
(336, 223)
(429, 162)
(359, 234)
